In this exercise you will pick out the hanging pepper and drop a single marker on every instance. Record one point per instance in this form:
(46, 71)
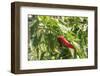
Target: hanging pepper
(64, 42)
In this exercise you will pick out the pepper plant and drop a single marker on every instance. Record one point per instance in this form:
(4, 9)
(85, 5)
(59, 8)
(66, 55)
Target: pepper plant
(45, 40)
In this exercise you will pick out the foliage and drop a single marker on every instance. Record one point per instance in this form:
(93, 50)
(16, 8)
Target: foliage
(43, 33)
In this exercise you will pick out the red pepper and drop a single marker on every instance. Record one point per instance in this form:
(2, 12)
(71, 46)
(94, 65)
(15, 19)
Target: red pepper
(65, 42)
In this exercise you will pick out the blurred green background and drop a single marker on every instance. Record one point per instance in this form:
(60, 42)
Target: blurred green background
(44, 30)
